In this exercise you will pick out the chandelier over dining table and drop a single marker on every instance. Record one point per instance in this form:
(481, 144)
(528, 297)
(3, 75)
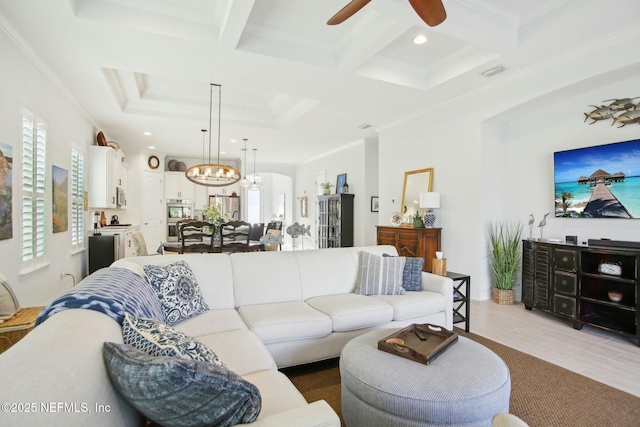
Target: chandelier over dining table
(213, 174)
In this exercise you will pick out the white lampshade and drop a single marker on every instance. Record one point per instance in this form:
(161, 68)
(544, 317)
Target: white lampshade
(429, 200)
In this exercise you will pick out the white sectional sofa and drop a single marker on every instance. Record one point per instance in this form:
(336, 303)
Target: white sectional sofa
(267, 310)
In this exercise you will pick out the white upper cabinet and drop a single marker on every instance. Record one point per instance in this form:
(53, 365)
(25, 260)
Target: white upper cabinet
(177, 186)
(105, 171)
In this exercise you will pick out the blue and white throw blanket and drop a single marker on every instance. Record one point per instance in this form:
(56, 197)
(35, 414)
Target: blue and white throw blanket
(112, 291)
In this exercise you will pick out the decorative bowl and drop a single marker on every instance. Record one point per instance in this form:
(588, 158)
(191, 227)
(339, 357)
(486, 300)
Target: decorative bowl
(615, 296)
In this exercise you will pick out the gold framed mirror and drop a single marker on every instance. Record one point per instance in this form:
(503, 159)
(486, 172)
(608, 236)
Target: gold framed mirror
(415, 182)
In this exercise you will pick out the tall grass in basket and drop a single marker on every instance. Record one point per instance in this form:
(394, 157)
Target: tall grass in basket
(505, 253)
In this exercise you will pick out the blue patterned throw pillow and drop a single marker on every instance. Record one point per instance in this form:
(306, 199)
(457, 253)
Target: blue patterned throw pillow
(181, 392)
(158, 339)
(379, 275)
(177, 289)
(412, 273)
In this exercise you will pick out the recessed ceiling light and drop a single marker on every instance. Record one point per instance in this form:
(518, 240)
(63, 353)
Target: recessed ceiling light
(421, 39)
(233, 140)
(223, 152)
(148, 133)
(152, 147)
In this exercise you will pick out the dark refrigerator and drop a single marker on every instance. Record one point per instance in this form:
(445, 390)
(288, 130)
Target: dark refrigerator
(103, 251)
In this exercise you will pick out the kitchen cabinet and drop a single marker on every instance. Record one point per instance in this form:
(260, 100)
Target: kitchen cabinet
(177, 186)
(129, 246)
(106, 173)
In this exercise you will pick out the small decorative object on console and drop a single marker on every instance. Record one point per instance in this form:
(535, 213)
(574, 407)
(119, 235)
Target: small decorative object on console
(611, 268)
(396, 219)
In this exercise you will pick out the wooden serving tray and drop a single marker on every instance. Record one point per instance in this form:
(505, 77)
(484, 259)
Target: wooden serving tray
(413, 348)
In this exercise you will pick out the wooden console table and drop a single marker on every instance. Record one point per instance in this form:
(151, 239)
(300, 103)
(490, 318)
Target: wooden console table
(412, 242)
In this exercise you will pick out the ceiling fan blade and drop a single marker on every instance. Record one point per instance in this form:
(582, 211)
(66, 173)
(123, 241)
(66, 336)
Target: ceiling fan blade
(346, 12)
(430, 11)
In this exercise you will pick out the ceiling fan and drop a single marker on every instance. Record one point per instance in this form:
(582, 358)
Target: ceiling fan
(430, 11)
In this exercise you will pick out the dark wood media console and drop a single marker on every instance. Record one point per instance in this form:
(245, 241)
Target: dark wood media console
(587, 285)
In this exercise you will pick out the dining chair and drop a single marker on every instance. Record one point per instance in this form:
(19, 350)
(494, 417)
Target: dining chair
(197, 236)
(234, 236)
(275, 228)
(257, 231)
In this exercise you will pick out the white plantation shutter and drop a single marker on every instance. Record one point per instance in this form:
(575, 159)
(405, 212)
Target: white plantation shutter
(34, 151)
(77, 199)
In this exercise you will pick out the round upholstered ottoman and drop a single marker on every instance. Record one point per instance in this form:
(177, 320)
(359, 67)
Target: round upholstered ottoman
(465, 386)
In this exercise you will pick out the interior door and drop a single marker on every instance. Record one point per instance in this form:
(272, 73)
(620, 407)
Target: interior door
(152, 210)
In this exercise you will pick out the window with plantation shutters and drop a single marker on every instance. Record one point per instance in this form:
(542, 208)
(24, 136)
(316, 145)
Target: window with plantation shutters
(34, 160)
(77, 199)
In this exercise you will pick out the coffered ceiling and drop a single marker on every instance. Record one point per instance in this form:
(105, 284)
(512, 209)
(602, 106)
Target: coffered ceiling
(294, 86)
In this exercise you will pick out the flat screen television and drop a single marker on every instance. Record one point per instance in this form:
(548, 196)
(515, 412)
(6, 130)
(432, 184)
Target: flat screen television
(602, 181)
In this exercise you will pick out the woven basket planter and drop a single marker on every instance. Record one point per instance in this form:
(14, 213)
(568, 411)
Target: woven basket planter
(503, 296)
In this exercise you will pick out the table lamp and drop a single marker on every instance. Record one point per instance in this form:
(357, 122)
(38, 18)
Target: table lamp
(429, 200)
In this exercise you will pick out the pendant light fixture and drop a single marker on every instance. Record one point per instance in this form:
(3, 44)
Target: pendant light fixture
(254, 184)
(213, 174)
(244, 182)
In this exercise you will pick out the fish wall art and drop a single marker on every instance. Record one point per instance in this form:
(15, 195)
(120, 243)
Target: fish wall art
(622, 111)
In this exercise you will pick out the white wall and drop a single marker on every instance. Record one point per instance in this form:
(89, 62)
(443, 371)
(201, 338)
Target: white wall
(359, 161)
(495, 162)
(23, 85)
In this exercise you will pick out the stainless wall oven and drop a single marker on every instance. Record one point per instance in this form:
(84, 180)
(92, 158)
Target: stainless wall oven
(177, 210)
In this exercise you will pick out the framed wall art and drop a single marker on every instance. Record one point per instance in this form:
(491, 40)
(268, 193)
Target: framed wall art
(340, 182)
(6, 191)
(60, 218)
(375, 204)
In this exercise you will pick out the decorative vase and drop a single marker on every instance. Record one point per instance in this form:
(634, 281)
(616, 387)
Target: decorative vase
(326, 191)
(503, 296)
(417, 222)
(345, 188)
(429, 219)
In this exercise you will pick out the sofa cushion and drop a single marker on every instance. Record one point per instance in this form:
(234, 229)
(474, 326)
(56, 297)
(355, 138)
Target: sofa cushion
(412, 273)
(217, 290)
(285, 321)
(379, 275)
(349, 312)
(265, 277)
(413, 304)
(211, 322)
(241, 350)
(326, 272)
(177, 289)
(181, 392)
(277, 391)
(158, 339)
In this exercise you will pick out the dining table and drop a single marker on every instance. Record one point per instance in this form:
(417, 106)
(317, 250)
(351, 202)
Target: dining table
(253, 246)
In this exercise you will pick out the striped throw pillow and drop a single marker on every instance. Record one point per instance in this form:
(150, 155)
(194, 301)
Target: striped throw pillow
(378, 275)
(412, 275)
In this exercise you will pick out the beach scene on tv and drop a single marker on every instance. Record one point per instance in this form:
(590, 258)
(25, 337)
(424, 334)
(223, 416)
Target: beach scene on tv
(598, 182)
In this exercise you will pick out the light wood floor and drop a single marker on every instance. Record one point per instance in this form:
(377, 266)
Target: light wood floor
(604, 356)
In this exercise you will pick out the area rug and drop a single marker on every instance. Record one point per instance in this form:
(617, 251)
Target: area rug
(542, 394)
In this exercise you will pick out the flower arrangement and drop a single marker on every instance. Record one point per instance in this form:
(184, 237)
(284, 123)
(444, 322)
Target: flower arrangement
(213, 214)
